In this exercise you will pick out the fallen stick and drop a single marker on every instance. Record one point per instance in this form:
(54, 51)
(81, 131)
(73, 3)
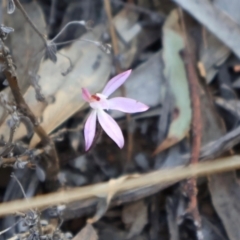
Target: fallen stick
(131, 182)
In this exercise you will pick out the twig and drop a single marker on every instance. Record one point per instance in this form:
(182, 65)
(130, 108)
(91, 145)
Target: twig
(114, 39)
(20, 7)
(191, 188)
(23, 108)
(26, 157)
(210, 151)
(8, 146)
(113, 34)
(7, 229)
(223, 144)
(132, 182)
(66, 130)
(85, 207)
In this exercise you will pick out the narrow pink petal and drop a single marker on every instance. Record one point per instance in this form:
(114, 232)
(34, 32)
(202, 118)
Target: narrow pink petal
(111, 128)
(86, 95)
(90, 129)
(115, 83)
(127, 105)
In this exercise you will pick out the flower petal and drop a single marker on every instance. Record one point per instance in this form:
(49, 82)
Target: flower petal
(90, 129)
(126, 105)
(115, 83)
(111, 127)
(86, 95)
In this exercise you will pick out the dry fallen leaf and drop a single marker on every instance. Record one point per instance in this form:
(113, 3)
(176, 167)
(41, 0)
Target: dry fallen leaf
(91, 69)
(25, 46)
(225, 194)
(87, 233)
(214, 19)
(175, 74)
(224, 187)
(212, 53)
(148, 92)
(135, 217)
(113, 188)
(25, 43)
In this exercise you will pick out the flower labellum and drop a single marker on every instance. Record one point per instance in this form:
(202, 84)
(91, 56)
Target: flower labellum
(100, 102)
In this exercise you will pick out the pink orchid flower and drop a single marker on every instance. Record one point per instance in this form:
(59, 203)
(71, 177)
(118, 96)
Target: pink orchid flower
(100, 102)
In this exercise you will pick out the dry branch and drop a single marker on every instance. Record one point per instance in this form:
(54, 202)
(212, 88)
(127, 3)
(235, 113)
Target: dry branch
(24, 109)
(196, 131)
(116, 52)
(132, 182)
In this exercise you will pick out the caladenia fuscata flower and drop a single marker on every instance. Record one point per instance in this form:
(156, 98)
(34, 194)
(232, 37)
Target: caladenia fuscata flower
(99, 102)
